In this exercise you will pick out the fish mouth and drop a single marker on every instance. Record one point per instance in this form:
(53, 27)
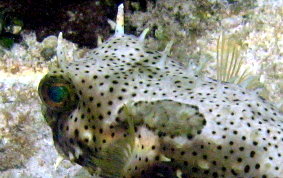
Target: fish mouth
(160, 170)
(57, 122)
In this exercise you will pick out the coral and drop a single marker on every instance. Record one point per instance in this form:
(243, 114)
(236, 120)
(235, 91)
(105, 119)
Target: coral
(186, 22)
(74, 18)
(80, 22)
(16, 127)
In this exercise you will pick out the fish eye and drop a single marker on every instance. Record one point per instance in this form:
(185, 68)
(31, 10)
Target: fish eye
(57, 93)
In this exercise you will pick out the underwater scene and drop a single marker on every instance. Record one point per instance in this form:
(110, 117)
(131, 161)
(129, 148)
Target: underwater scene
(141, 88)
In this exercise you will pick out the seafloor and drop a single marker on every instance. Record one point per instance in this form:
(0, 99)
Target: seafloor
(26, 145)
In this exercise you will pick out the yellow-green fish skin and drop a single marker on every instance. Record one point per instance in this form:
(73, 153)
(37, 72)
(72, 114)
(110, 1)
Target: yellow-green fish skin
(138, 116)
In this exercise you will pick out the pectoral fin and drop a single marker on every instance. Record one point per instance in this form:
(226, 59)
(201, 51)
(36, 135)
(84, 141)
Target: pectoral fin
(169, 117)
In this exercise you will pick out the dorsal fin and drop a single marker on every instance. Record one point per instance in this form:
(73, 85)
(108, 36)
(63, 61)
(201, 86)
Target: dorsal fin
(229, 65)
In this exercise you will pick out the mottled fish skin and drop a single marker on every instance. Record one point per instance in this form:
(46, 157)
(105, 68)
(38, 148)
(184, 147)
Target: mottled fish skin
(198, 126)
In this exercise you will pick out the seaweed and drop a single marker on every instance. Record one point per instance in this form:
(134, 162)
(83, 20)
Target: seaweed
(10, 28)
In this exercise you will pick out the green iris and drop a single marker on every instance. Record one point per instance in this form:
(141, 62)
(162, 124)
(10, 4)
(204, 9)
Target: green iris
(58, 93)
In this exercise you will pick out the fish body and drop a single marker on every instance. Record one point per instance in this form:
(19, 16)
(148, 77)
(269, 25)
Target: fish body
(127, 111)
